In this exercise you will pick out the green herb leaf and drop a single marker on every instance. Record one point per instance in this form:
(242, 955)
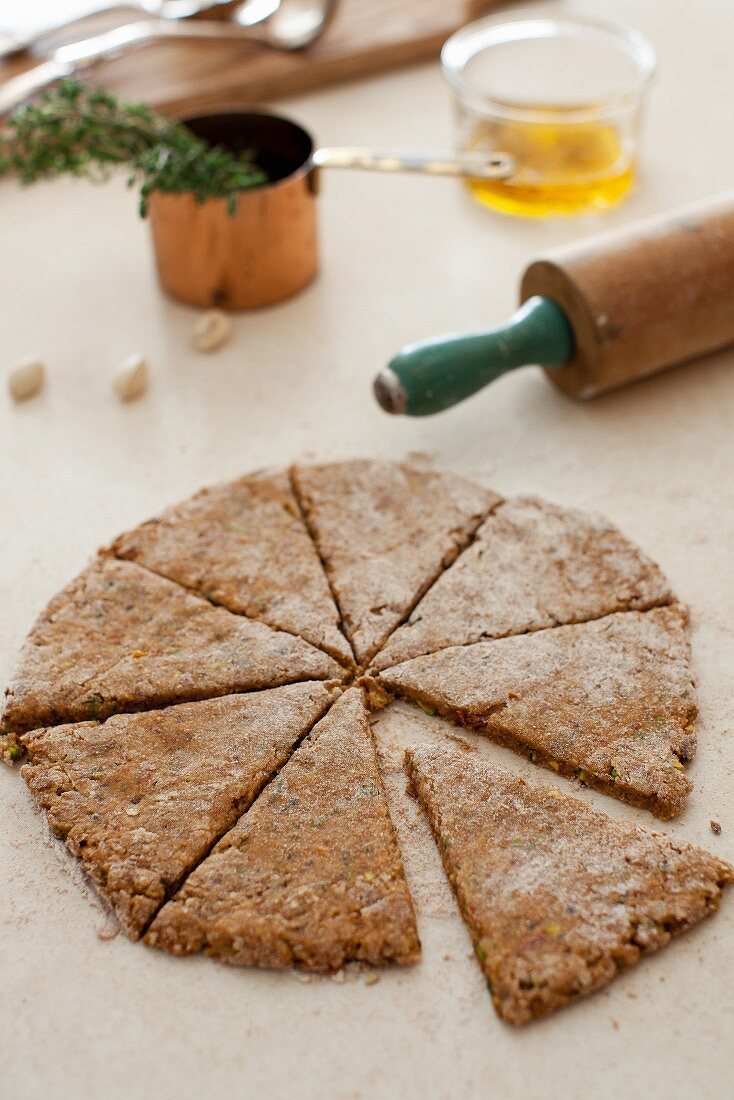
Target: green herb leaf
(80, 131)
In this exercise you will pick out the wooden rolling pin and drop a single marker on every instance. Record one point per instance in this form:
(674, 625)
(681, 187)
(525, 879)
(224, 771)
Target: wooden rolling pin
(596, 316)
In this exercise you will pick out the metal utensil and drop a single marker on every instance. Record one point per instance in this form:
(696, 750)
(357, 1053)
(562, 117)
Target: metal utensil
(77, 58)
(285, 24)
(282, 24)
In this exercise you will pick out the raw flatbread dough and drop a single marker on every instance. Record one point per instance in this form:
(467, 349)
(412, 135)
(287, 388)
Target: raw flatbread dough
(533, 565)
(312, 875)
(244, 545)
(385, 530)
(120, 638)
(610, 702)
(143, 798)
(557, 897)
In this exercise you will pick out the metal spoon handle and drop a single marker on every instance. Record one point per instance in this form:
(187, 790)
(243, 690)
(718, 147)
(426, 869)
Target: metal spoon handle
(20, 88)
(78, 57)
(493, 167)
(12, 45)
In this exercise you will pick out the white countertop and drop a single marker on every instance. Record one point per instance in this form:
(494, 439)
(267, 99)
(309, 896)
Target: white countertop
(402, 259)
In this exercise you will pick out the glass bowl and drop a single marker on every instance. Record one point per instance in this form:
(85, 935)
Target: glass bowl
(563, 97)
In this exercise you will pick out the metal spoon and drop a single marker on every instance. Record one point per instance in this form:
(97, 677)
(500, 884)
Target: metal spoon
(281, 24)
(79, 57)
(286, 24)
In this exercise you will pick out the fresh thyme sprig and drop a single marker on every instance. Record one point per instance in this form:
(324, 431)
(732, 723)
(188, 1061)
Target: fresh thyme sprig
(80, 131)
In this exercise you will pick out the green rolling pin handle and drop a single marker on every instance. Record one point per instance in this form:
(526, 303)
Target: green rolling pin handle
(429, 377)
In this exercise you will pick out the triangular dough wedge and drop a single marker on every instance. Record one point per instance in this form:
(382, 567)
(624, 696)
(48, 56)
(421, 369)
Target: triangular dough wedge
(143, 798)
(120, 638)
(609, 702)
(533, 565)
(312, 875)
(244, 545)
(557, 897)
(385, 530)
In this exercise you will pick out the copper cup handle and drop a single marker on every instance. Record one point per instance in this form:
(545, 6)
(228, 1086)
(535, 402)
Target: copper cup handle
(496, 166)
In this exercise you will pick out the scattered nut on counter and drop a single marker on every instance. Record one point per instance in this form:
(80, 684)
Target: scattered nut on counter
(131, 381)
(212, 330)
(27, 379)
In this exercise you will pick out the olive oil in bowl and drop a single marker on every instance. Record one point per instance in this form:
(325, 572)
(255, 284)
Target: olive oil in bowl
(562, 97)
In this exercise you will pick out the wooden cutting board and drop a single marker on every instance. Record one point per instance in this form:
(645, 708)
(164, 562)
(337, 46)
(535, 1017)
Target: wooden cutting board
(367, 36)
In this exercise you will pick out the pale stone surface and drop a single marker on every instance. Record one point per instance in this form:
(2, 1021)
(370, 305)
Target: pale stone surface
(402, 258)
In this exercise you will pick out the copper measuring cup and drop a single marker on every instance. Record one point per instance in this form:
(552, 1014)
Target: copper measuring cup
(267, 250)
